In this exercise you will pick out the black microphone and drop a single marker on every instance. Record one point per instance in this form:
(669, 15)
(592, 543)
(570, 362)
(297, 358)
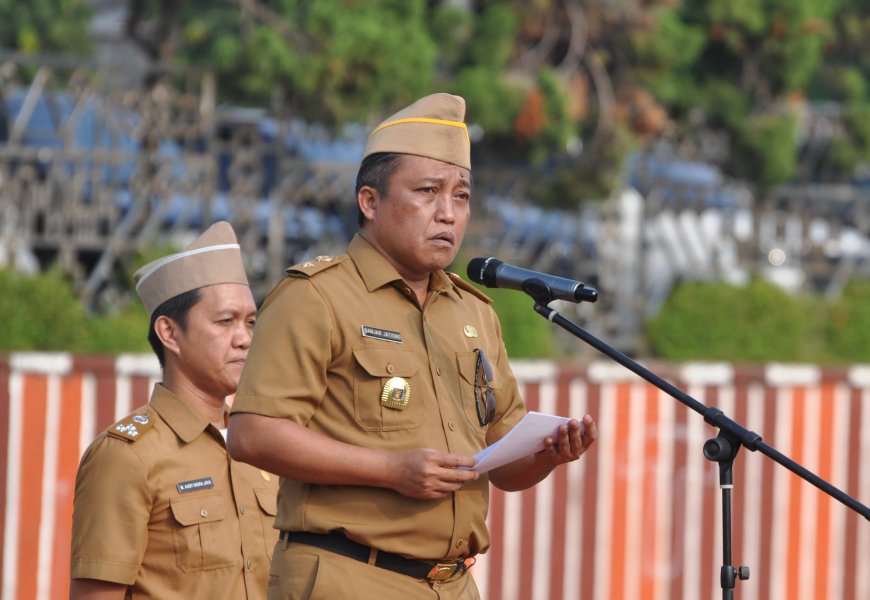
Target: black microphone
(494, 273)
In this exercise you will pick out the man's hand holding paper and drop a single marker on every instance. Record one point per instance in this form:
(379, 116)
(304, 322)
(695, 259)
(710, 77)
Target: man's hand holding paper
(531, 450)
(572, 440)
(558, 438)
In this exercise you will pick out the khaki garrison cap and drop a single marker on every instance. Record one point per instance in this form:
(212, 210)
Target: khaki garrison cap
(433, 127)
(214, 257)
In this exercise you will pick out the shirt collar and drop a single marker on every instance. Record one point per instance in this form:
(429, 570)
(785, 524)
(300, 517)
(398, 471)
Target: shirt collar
(183, 420)
(376, 271)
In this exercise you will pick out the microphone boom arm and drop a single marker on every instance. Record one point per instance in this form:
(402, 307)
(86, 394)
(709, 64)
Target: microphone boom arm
(721, 449)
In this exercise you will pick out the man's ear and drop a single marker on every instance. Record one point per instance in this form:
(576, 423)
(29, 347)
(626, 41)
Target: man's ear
(367, 200)
(167, 332)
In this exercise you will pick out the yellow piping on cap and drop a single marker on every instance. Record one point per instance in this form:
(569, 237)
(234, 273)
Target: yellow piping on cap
(425, 120)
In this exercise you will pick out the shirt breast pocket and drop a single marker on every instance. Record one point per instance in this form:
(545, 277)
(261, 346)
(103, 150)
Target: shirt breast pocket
(386, 393)
(467, 365)
(268, 502)
(204, 538)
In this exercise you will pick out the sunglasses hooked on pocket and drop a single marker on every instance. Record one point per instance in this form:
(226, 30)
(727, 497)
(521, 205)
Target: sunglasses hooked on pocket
(484, 397)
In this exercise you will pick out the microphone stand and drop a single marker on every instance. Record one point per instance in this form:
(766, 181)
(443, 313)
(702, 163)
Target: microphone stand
(721, 449)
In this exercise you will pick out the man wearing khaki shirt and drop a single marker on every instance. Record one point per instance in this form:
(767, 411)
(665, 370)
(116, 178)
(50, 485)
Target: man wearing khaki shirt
(375, 377)
(160, 510)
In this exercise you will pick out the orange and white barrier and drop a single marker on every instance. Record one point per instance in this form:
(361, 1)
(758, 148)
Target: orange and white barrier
(637, 517)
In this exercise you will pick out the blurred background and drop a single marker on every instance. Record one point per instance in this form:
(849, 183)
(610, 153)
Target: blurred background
(705, 164)
(674, 154)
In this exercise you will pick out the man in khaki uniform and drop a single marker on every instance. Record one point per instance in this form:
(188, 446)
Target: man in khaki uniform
(161, 511)
(375, 377)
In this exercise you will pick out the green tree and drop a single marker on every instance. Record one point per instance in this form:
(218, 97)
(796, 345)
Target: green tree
(546, 78)
(45, 26)
(123, 331)
(332, 60)
(42, 313)
(39, 313)
(747, 65)
(848, 324)
(844, 78)
(718, 321)
(525, 333)
(521, 66)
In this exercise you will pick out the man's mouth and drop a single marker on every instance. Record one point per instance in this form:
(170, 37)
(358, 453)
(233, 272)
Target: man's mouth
(444, 237)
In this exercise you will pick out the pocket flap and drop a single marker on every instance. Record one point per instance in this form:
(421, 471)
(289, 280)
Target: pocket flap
(467, 362)
(200, 509)
(386, 362)
(268, 501)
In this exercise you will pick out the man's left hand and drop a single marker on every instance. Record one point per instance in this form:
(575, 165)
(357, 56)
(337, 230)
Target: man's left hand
(572, 440)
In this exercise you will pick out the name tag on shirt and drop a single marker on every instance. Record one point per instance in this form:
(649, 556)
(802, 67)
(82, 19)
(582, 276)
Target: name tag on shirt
(194, 485)
(382, 334)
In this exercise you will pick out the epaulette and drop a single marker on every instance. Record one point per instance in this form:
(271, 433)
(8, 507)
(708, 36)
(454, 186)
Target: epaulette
(462, 284)
(132, 426)
(314, 266)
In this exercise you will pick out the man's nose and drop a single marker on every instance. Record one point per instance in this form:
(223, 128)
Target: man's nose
(446, 211)
(243, 336)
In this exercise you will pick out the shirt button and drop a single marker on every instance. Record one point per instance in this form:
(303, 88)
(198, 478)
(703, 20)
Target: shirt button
(249, 565)
(242, 509)
(450, 425)
(390, 369)
(203, 513)
(438, 370)
(460, 543)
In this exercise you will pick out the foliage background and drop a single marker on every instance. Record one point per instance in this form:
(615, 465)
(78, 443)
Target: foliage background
(554, 85)
(700, 321)
(43, 313)
(560, 93)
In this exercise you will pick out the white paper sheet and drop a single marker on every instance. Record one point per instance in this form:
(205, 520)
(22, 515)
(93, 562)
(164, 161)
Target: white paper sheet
(526, 438)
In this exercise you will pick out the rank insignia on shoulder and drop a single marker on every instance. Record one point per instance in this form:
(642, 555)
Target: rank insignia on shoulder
(131, 427)
(320, 259)
(314, 266)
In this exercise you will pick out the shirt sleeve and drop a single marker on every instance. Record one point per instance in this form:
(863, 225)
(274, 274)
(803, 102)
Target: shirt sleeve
(285, 373)
(111, 512)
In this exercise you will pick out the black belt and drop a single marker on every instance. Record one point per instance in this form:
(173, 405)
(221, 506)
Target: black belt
(432, 570)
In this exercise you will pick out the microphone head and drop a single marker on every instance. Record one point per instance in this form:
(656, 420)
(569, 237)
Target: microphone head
(587, 294)
(482, 270)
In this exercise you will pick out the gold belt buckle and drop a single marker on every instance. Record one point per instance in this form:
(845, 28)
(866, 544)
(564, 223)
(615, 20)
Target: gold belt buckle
(442, 571)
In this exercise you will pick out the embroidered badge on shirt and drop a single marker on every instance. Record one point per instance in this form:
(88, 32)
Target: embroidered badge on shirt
(469, 331)
(265, 475)
(396, 393)
(193, 485)
(382, 334)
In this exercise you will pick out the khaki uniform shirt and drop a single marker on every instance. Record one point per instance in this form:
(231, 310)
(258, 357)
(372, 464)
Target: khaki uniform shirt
(161, 507)
(329, 342)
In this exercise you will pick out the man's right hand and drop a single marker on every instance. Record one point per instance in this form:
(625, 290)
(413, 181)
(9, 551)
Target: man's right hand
(287, 449)
(430, 474)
